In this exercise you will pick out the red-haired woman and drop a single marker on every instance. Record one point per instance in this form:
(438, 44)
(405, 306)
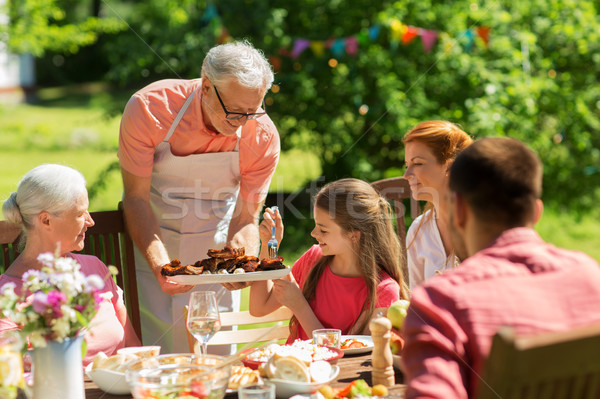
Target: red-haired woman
(430, 149)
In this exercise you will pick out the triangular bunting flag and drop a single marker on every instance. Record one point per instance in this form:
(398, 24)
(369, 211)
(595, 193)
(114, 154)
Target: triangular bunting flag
(374, 32)
(338, 47)
(318, 47)
(363, 38)
(484, 34)
(470, 36)
(409, 34)
(299, 46)
(397, 29)
(351, 45)
(428, 38)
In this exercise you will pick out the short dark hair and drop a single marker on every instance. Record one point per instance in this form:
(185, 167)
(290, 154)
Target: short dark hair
(500, 178)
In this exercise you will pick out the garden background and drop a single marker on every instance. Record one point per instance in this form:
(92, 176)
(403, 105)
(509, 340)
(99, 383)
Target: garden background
(351, 78)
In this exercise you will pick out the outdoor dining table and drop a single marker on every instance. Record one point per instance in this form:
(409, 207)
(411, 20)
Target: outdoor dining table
(351, 368)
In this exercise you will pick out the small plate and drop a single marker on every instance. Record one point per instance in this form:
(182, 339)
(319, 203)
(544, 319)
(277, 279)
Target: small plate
(287, 389)
(365, 339)
(229, 278)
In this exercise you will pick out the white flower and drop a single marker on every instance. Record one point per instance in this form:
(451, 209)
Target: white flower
(61, 327)
(94, 282)
(66, 265)
(8, 289)
(46, 259)
(37, 340)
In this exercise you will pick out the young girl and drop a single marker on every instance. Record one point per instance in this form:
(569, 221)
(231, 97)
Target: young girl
(351, 275)
(430, 149)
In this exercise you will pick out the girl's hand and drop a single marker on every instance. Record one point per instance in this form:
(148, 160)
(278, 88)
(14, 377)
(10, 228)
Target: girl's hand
(287, 292)
(270, 219)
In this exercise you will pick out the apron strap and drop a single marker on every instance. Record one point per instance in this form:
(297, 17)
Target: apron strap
(179, 116)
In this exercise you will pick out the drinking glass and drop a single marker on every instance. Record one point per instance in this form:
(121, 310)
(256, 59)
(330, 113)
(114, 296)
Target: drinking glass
(327, 337)
(203, 317)
(257, 391)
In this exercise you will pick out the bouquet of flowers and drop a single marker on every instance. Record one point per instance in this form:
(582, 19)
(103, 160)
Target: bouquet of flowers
(55, 303)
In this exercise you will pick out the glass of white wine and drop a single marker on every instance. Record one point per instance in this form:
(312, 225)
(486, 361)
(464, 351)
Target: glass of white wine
(203, 317)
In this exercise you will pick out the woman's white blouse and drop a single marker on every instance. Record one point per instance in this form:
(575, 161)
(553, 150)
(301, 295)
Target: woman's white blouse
(426, 255)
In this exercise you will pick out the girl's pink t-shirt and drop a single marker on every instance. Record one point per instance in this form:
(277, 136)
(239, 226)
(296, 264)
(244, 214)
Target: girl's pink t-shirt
(106, 333)
(339, 300)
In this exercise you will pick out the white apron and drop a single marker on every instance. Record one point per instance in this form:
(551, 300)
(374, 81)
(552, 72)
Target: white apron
(193, 198)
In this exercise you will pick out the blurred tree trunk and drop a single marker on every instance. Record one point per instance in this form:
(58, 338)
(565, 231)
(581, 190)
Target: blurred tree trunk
(95, 8)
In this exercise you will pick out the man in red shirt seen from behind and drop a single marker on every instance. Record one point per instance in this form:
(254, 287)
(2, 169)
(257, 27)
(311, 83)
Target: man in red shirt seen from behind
(509, 276)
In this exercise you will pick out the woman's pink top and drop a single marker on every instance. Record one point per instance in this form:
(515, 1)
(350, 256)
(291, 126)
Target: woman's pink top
(338, 301)
(106, 333)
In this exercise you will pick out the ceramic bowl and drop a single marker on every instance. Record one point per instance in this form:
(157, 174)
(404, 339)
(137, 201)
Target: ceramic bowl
(109, 381)
(287, 389)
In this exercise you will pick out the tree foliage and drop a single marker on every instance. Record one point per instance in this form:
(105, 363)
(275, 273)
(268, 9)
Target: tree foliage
(536, 81)
(37, 26)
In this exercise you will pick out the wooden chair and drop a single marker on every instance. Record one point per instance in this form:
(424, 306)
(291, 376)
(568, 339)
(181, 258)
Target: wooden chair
(556, 365)
(108, 240)
(9, 238)
(396, 190)
(256, 329)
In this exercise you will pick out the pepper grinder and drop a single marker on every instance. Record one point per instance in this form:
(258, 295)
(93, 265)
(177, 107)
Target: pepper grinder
(383, 370)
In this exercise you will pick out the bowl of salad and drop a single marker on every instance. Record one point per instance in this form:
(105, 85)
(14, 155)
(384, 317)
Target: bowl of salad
(172, 381)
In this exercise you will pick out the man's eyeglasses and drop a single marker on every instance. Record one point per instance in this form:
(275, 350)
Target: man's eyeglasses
(239, 115)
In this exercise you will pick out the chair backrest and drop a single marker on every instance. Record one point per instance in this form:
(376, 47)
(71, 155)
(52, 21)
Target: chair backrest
(552, 365)
(109, 240)
(258, 328)
(397, 189)
(9, 238)
(256, 332)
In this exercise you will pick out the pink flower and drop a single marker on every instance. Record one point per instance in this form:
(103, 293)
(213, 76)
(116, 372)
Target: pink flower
(55, 300)
(40, 302)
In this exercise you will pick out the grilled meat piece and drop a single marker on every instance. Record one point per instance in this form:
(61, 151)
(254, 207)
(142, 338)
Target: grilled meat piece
(226, 253)
(173, 268)
(210, 264)
(229, 265)
(193, 269)
(271, 264)
(250, 266)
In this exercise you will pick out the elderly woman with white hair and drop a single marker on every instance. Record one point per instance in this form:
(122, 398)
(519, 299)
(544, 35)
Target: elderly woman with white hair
(197, 157)
(51, 205)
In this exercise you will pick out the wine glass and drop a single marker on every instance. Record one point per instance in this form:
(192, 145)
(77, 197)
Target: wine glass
(203, 316)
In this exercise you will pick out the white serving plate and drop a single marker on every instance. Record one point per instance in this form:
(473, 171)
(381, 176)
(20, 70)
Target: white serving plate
(287, 389)
(230, 278)
(365, 339)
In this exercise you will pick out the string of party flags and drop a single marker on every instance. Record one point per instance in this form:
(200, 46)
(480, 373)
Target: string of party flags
(398, 33)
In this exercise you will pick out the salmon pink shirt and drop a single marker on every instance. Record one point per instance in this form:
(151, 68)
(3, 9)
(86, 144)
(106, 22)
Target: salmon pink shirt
(149, 114)
(339, 300)
(518, 281)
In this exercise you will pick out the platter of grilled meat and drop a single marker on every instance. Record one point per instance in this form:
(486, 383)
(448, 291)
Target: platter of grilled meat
(227, 265)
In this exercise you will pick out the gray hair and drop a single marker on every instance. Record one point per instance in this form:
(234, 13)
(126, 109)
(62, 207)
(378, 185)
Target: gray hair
(241, 61)
(48, 187)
